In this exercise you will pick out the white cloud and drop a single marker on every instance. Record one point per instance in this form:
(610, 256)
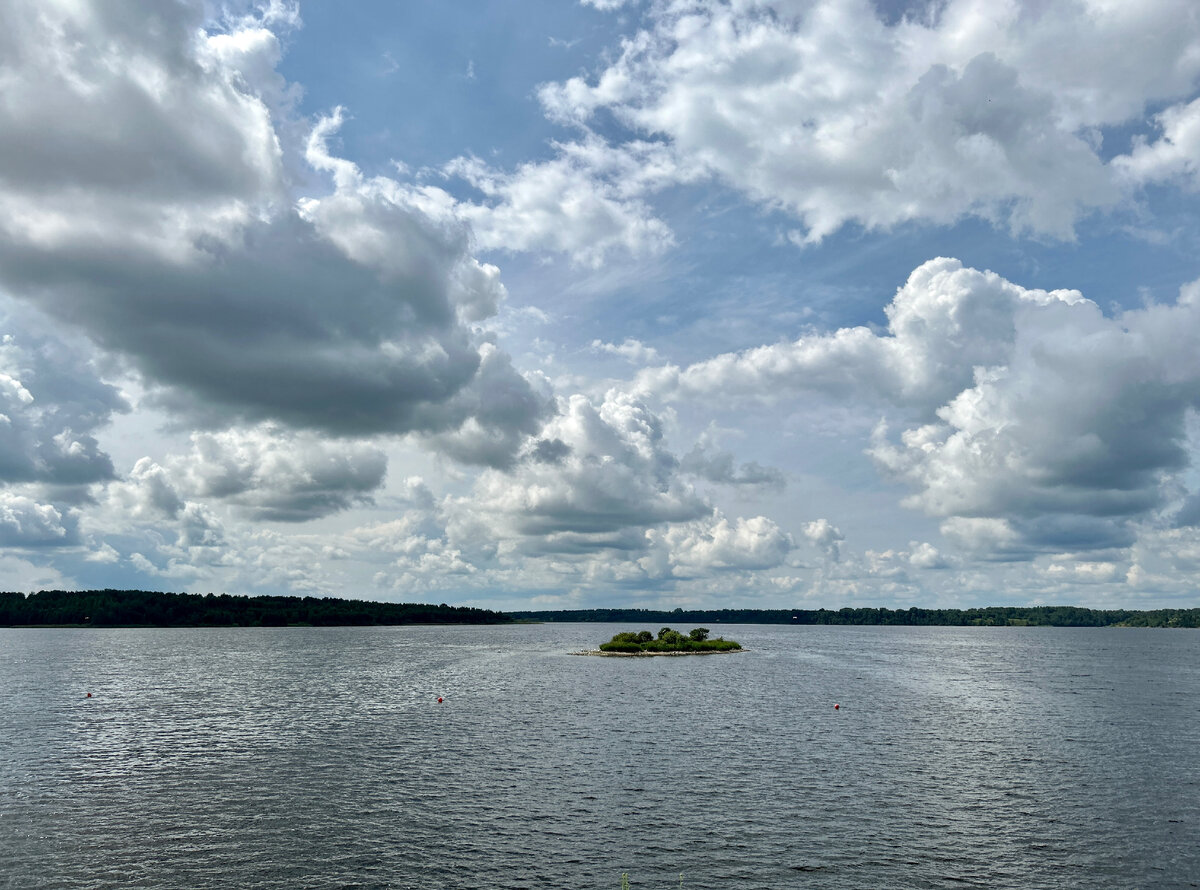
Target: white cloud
(597, 478)
(120, 128)
(22, 574)
(943, 323)
(715, 543)
(924, 555)
(633, 351)
(708, 462)
(1173, 156)
(275, 475)
(831, 114)
(52, 401)
(584, 202)
(26, 523)
(1030, 420)
(1072, 434)
(143, 200)
(825, 536)
(148, 493)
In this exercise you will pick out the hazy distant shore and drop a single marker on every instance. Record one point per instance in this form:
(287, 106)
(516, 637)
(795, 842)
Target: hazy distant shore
(140, 608)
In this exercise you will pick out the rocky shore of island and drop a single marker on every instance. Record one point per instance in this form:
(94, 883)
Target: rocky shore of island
(656, 654)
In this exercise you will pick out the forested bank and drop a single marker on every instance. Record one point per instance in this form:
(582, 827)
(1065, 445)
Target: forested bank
(1041, 616)
(142, 608)
(108, 608)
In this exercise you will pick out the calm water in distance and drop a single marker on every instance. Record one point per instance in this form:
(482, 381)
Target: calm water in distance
(320, 758)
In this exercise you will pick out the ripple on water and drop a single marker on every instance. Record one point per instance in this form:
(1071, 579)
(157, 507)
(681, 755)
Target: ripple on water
(296, 758)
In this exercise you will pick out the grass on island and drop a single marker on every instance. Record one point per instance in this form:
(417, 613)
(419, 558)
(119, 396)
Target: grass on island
(668, 641)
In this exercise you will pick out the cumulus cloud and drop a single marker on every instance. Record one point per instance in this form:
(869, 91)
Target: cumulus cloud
(610, 479)
(585, 202)
(710, 463)
(1030, 420)
(633, 351)
(942, 324)
(26, 523)
(51, 402)
(715, 543)
(147, 493)
(834, 115)
(143, 199)
(1073, 434)
(279, 476)
(500, 407)
(1175, 155)
(924, 555)
(826, 536)
(598, 486)
(149, 501)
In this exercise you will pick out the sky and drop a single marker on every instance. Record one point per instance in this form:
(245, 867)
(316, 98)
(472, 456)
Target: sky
(557, 304)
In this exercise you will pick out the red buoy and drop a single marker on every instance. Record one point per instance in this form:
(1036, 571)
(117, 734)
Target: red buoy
(836, 707)
(439, 699)
(89, 695)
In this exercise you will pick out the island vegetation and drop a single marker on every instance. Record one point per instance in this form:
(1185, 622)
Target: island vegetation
(696, 642)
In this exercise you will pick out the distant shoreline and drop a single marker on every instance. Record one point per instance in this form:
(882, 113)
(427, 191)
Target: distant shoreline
(140, 608)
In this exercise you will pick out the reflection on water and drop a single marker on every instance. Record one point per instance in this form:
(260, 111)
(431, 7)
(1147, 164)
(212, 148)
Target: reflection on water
(306, 757)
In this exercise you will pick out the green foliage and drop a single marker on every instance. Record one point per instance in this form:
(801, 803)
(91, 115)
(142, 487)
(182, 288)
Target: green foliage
(615, 646)
(668, 641)
(143, 608)
(990, 616)
(672, 639)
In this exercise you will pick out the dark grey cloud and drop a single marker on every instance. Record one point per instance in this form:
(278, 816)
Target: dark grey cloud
(1188, 514)
(718, 466)
(142, 201)
(51, 402)
(549, 451)
(278, 476)
(118, 101)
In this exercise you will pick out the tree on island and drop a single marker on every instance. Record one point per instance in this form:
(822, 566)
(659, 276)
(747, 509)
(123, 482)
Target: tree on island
(668, 640)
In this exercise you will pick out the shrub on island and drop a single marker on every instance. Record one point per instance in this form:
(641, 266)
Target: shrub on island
(668, 640)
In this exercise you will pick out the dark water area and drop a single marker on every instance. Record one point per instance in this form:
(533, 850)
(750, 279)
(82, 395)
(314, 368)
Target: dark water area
(315, 758)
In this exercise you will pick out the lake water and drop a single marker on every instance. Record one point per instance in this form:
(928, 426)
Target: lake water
(308, 757)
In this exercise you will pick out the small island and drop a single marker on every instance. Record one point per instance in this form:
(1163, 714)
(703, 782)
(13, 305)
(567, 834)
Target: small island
(668, 642)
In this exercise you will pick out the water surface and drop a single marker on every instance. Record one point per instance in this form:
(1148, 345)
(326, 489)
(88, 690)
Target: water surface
(312, 757)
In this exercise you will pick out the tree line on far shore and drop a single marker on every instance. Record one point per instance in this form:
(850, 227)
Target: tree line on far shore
(144, 608)
(991, 616)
